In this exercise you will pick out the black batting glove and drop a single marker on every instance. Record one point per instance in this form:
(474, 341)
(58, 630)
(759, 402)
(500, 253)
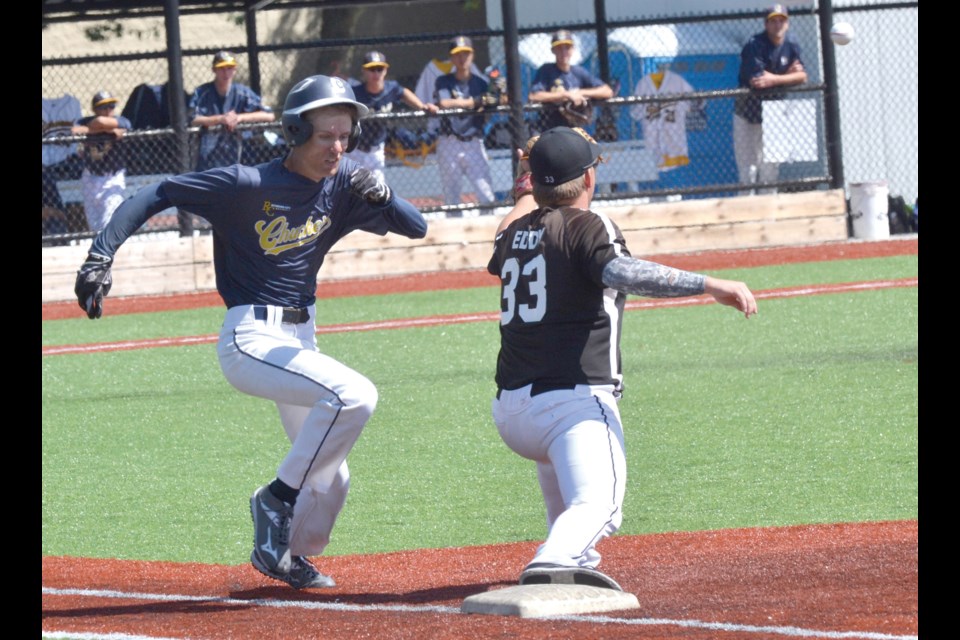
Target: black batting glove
(93, 283)
(366, 185)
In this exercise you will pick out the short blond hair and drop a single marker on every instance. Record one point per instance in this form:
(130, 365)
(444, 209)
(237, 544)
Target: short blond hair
(556, 195)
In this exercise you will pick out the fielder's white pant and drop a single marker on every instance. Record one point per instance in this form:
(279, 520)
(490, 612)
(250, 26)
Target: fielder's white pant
(457, 158)
(101, 196)
(576, 438)
(375, 160)
(323, 406)
(748, 152)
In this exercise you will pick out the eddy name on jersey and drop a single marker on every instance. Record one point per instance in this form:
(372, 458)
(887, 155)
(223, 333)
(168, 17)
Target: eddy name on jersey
(526, 239)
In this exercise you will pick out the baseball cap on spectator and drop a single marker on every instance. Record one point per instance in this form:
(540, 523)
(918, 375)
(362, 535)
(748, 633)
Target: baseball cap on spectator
(224, 59)
(777, 11)
(102, 99)
(461, 43)
(374, 59)
(561, 37)
(562, 154)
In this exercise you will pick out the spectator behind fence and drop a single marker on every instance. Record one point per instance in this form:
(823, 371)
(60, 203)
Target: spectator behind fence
(426, 86)
(381, 96)
(103, 180)
(219, 106)
(460, 147)
(770, 59)
(565, 89)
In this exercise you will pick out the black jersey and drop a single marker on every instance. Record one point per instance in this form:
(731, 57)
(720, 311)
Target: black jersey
(559, 325)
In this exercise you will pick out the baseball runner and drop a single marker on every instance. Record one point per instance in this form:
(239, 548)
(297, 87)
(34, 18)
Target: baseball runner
(564, 87)
(664, 123)
(770, 59)
(460, 147)
(272, 226)
(565, 273)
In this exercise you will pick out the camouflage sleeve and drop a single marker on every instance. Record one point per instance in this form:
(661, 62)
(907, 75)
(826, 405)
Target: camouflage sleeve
(651, 279)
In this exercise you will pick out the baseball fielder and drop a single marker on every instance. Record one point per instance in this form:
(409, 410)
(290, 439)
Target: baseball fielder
(272, 226)
(565, 273)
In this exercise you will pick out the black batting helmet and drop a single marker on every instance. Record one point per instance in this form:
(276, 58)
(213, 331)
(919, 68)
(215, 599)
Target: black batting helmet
(312, 93)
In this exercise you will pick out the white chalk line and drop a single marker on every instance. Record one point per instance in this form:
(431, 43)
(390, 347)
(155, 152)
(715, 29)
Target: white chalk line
(796, 632)
(432, 321)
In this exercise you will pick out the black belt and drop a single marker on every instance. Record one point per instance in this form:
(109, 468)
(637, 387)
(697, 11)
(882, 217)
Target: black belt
(543, 387)
(291, 315)
(464, 138)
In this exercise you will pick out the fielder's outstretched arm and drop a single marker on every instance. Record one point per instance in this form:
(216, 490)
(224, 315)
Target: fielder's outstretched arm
(654, 280)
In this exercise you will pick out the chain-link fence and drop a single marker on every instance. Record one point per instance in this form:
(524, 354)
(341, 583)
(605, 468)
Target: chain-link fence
(667, 133)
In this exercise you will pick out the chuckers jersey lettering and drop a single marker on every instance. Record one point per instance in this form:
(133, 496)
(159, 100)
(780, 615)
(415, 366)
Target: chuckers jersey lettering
(277, 236)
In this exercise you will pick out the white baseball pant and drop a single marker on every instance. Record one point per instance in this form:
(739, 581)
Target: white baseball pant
(102, 194)
(323, 406)
(576, 438)
(748, 152)
(375, 160)
(457, 158)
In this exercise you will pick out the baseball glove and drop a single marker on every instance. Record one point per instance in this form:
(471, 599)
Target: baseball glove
(577, 116)
(93, 283)
(364, 184)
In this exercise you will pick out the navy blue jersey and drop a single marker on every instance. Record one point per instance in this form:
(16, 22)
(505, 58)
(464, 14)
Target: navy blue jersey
(549, 77)
(102, 153)
(271, 228)
(448, 87)
(221, 148)
(559, 324)
(374, 132)
(757, 56)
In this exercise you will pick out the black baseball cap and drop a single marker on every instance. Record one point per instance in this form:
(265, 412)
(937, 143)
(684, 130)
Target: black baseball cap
(562, 154)
(461, 43)
(224, 59)
(374, 59)
(102, 99)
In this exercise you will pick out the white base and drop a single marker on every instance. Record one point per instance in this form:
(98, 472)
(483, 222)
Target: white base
(545, 600)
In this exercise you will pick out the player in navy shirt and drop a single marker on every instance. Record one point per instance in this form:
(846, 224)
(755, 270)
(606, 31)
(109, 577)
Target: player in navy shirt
(770, 59)
(273, 224)
(561, 83)
(103, 179)
(219, 106)
(381, 96)
(461, 151)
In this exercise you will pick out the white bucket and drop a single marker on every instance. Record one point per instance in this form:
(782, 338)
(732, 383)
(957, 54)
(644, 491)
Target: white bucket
(869, 209)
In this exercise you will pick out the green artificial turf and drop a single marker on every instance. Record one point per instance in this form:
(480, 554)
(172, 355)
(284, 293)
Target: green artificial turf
(807, 413)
